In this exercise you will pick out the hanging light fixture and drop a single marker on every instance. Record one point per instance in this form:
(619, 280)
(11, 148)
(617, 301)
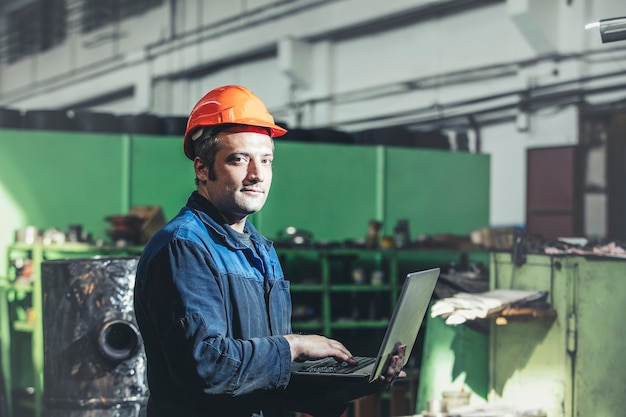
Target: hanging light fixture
(611, 30)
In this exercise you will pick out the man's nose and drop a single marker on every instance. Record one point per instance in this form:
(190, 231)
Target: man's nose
(255, 171)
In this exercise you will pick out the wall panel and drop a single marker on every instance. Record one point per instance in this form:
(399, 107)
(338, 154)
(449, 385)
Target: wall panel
(330, 190)
(56, 179)
(161, 174)
(439, 192)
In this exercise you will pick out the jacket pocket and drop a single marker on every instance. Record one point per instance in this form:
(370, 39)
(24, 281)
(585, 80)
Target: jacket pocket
(280, 308)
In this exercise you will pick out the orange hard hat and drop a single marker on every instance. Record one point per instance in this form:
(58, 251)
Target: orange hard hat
(230, 104)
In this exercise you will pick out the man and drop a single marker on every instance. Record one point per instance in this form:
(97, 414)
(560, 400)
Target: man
(210, 296)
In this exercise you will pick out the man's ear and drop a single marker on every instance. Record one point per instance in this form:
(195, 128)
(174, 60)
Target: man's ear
(201, 169)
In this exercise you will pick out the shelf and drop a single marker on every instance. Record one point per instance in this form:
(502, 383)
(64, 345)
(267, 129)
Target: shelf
(306, 287)
(360, 324)
(307, 325)
(23, 326)
(326, 281)
(332, 251)
(19, 287)
(360, 288)
(77, 247)
(512, 314)
(357, 252)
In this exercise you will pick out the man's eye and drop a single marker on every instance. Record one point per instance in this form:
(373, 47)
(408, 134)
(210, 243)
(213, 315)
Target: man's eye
(238, 159)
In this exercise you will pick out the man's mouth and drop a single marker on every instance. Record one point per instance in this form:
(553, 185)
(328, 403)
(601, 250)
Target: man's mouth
(252, 190)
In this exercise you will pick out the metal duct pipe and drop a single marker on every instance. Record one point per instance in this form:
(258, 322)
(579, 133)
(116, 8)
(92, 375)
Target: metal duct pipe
(94, 361)
(118, 340)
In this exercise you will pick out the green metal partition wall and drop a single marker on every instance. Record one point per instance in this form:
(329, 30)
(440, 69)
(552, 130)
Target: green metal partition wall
(330, 190)
(160, 174)
(335, 190)
(438, 192)
(55, 179)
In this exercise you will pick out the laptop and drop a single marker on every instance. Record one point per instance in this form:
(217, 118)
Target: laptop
(403, 328)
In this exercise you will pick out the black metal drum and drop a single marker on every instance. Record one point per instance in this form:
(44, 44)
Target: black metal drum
(94, 361)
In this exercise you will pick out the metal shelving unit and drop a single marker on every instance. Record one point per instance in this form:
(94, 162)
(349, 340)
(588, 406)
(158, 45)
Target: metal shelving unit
(337, 289)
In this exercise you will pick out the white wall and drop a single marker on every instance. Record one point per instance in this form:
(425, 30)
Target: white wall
(352, 65)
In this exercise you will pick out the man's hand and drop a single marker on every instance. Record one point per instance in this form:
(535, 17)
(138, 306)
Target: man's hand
(311, 347)
(393, 366)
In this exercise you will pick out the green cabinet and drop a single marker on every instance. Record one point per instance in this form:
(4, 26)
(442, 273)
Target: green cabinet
(21, 329)
(455, 358)
(569, 365)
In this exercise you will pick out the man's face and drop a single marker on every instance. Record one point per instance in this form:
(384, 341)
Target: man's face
(242, 175)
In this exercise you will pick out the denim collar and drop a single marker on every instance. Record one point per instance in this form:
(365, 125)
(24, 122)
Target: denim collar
(212, 218)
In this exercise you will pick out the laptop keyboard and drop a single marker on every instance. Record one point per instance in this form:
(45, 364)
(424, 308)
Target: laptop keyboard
(330, 365)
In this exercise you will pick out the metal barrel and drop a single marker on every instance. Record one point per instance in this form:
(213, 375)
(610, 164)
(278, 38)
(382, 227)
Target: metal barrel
(94, 360)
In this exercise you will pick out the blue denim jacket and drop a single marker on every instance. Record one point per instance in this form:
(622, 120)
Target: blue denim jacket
(211, 312)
